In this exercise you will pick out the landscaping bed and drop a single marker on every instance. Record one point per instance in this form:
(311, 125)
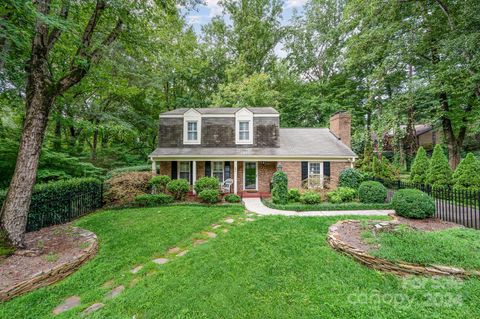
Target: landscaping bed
(299, 207)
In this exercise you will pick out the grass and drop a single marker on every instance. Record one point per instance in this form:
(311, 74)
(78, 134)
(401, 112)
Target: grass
(275, 267)
(452, 247)
(299, 207)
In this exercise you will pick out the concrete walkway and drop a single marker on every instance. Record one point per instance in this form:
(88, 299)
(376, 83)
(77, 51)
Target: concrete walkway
(255, 205)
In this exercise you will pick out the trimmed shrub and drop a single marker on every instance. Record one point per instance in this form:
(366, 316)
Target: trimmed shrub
(294, 195)
(413, 203)
(466, 176)
(153, 199)
(351, 177)
(420, 167)
(128, 169)
(311, 198)
(372, 192)
(178, 188)
(342, 195)
(123, 188)
(209, 196)
(159, 183)
(439, 172)
(206, 183)
(232, 198)
(280, 188)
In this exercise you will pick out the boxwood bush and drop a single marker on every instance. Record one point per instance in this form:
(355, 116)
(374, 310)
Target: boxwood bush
(413, 203)
(232, 198)
(280, 188)
(178, 188)
(159, 183)
(206, 183)
(342, 195)
(153, 199)
(372, 192)
(294, 195)
(351, 177)
(310, 198)
(209, 196)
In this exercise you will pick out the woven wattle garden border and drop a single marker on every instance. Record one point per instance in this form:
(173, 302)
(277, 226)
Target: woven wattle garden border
(55, 274)
(399, 268)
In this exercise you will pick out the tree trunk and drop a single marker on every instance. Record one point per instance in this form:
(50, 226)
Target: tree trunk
(57, 141)
(94, 145)
(454, 144)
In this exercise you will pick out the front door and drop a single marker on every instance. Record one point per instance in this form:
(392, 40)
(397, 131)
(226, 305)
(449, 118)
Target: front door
(250, 178)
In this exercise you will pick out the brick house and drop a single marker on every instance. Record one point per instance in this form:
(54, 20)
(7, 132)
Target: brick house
(248, 146)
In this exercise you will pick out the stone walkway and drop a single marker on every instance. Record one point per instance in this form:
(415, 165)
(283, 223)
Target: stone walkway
(256, 205)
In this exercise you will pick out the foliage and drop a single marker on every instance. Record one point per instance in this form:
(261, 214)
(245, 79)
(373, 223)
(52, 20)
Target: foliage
(372, 192)
(210, 196)
(327, 206)
(420, 167)
(351, 177)
(206, 183)
(342, 195)
(159, 183)
(294, 195)
(413, 203)
(124, 187)
(127, 169)
(309, 197)
(377, 168)
(439, 172)
(280, 187)
(178, 188)
(467, 176)
(232, 198)
(153, 199)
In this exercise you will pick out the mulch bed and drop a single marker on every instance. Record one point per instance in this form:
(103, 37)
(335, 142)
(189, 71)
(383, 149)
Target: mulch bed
(45, 250)
(350, 233)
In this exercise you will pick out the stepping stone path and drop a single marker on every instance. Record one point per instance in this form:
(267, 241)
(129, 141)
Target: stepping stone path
(136, 269)
(108, 284)
(173, 250)
(199, 242)
(115, 292)
(161, 261)
(210, 234)
(249, 219)
(133, 282)
(225, 230)
(229, 220)
(93, 308)
(216, 226)
(182, 253)
(68, 304)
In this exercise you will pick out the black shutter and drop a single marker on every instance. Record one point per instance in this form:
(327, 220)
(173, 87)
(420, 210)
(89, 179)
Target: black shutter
(174, 170)
(208, 168)
(304, 170)
(326, 169)
(191, 173)
(226, 170)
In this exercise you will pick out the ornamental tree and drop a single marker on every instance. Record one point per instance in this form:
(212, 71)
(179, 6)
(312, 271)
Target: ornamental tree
(439, 172)
(419, 170)
(466, 175)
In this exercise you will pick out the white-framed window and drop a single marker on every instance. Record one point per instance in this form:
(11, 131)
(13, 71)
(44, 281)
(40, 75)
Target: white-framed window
(315, 174)
(217, 170)
(192, 131)
(184, 170)
(244, 126)
(192, 127)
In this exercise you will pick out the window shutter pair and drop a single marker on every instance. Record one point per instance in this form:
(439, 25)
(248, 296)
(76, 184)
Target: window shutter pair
(326, 170)
(226, 169)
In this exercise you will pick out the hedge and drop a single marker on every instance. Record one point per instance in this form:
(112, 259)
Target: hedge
(413, 203)
(61, 201)
(153, 199)
(372, 192)
(326, 206)
(351, 177)
(280, 187)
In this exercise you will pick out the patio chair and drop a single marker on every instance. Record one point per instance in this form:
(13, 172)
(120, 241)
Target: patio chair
(225, 186)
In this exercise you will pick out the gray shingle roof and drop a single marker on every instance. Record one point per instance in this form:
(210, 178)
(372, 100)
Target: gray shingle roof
(294, 142)
(223, 110)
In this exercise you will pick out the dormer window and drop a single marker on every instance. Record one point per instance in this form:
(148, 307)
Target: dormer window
(192, 126)
(244, 126)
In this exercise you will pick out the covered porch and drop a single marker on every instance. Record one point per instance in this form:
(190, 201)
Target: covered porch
(251, 178)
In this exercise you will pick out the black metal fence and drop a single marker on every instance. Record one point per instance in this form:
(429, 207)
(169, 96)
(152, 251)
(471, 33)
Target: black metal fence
(49, 211)
(453, 205)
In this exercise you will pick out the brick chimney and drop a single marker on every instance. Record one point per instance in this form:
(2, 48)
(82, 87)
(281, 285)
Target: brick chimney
(341, 126)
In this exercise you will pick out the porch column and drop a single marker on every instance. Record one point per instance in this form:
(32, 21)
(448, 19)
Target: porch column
(194, 174)
(154, 167)
(235, 173)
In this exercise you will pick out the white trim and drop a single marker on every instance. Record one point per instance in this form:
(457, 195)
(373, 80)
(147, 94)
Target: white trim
(178, 116)
(235, 176)
(178, 170)
(212, 165)
(192, 116)
(321, 172)
(194, 174)
(256, 176)
(253, 158)
(243, 115)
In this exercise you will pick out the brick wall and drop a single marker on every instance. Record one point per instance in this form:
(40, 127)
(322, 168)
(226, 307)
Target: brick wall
(165, 168)
(335, 169)
(340, 125)
(294, 173)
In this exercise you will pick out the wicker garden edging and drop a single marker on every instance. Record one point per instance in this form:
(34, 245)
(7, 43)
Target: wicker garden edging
(55, 274)
(398, 267)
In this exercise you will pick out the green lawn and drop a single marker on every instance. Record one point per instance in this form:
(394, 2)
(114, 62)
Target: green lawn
(453, 247)
(275, 267)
